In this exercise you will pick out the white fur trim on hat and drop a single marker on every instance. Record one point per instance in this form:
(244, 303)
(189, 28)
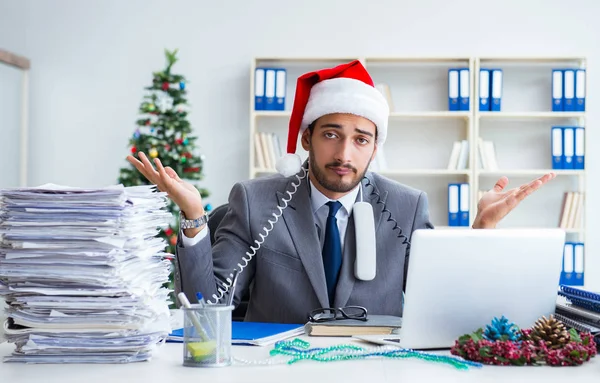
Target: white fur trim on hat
(347, 95)
(289, 164)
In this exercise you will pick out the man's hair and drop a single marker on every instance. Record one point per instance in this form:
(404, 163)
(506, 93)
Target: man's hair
(312, 125)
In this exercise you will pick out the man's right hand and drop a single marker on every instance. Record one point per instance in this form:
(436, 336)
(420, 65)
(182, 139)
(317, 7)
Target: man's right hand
(184, 194)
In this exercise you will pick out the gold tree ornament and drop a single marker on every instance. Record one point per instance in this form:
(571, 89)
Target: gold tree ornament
(551, 331)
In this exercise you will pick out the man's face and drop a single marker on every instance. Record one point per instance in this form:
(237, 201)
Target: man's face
(340, 149)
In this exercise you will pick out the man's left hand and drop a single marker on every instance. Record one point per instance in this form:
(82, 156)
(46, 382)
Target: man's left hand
(497, 203)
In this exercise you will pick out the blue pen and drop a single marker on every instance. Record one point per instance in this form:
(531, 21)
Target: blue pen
(200, 298)
(202, 303)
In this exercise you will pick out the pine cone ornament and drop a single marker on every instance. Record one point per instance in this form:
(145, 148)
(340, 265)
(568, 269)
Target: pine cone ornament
(501, 330)
(551, 331)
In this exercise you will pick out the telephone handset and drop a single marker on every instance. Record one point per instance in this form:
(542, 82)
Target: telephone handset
(366, 261)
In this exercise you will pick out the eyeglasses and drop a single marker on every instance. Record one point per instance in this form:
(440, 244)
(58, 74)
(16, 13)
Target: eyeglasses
(329, 314)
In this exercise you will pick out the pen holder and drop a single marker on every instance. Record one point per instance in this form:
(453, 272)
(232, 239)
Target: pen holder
(207, 335)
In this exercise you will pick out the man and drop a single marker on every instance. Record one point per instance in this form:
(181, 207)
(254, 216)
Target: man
(301, 257)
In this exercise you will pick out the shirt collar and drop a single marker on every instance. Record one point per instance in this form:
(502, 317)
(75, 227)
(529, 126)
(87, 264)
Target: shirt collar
(318, 199)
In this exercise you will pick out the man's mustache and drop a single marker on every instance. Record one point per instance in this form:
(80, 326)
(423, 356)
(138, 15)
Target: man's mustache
(340, 165)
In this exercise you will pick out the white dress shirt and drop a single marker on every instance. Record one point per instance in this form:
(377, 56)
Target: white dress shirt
(320, 212)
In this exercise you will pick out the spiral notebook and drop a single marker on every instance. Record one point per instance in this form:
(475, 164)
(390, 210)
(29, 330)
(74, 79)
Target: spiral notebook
(582, 298)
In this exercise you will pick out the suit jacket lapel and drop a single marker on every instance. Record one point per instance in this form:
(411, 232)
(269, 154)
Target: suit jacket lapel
(299, 219)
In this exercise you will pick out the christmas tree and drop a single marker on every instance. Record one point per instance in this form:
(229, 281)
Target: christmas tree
(163, 131)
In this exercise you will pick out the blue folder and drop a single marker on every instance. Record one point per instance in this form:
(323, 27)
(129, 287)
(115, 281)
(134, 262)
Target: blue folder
(253, 333)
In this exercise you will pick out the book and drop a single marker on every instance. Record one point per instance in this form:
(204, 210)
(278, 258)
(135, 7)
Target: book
(374, 325)
(252, 333)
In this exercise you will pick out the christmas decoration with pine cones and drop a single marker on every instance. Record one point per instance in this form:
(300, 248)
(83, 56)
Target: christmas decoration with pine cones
(547, 342)
(551, 331)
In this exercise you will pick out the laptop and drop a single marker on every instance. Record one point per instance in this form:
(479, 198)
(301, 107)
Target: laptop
(460, 279)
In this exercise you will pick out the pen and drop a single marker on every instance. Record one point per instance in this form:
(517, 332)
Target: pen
(200, 299)
(184, 301)
(202, 303)
(232, 291)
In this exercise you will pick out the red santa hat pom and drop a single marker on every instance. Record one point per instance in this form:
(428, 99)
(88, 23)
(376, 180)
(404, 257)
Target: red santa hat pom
(346, 88)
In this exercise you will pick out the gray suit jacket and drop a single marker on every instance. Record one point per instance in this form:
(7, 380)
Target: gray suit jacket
(286, 277)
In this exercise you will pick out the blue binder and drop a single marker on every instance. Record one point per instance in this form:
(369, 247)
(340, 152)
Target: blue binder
(557, 90)
(568, 147)
(280, 88)
(464, 89)
(496, 92)
(259, 89)
(579, 148)
(464, 195)
(579, 264)
(270, 89)
(556, 147)
(569, 90)
(453, 204)
(453, 103)
(580, 90)
(567, 275)
(484, 90)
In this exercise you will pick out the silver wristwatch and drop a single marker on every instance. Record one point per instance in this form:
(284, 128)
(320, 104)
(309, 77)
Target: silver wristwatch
(185, 223)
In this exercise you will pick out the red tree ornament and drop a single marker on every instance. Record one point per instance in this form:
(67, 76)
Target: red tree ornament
(165, 86)
(133, 149)
(169, 232)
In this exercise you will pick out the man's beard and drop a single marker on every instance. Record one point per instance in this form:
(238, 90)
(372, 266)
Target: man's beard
(338, 185)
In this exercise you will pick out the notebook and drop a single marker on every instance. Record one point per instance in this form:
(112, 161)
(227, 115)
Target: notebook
(581, 298)
(374, 325)
(253, 333)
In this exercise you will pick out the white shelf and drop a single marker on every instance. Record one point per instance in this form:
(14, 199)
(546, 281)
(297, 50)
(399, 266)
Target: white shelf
(271, 113)
(532, 60)
(433, 114)
(534, 172)
(529, 115)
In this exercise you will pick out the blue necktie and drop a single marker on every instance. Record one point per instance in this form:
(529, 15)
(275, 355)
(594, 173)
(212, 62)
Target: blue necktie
(332, 250)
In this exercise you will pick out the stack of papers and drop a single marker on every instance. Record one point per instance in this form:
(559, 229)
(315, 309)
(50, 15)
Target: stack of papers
(82, 273)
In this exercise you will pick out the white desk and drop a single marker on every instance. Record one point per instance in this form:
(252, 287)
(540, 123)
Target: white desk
(166, 366)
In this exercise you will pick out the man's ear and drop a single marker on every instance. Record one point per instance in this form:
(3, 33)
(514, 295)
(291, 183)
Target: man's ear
(306, 139)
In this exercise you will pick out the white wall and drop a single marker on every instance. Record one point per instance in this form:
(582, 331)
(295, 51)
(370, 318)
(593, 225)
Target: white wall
(91, 59)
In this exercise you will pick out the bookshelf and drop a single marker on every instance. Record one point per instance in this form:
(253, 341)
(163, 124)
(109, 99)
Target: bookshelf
(22, 64)
(422, 129)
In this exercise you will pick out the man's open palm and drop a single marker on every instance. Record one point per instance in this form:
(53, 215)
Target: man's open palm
(184, 194)
(497, 203)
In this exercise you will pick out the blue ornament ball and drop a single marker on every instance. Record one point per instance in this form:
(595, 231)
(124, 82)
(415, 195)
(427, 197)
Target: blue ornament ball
(208, 207)
(182, 85)
(185, 142)
(136, 135)
(152, 130)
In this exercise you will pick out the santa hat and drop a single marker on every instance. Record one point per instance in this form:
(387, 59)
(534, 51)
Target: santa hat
(347, 88)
